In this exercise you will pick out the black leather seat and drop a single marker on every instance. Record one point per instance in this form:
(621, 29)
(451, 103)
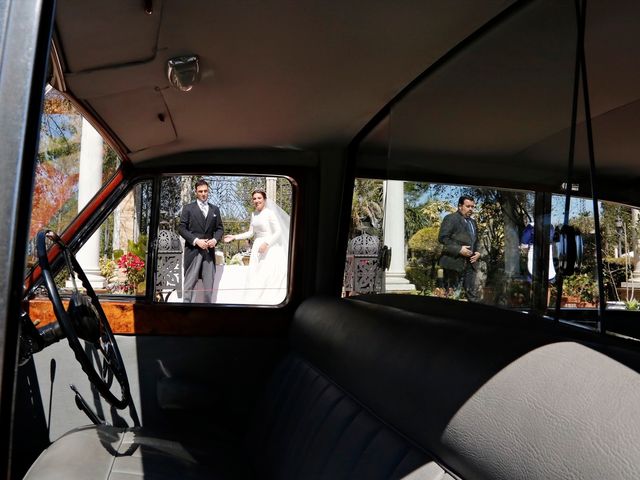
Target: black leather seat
(126, 454)
(305, 427)
(371, 391)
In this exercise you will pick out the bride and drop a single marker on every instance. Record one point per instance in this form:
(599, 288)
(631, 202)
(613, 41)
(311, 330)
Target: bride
(267, 275)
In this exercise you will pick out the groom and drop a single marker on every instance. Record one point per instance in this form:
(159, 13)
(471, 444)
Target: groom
(201, 227)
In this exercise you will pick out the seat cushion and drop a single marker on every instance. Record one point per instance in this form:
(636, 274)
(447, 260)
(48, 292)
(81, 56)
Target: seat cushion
(103, 452)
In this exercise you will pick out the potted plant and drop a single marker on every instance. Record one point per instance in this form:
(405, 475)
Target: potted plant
(581, 290)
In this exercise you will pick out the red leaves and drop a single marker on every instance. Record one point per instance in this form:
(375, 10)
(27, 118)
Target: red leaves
(53, 188)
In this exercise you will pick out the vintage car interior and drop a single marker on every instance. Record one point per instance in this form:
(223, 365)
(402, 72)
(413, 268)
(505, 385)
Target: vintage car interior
(363, 122)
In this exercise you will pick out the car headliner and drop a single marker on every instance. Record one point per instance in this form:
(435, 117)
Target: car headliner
(310, 75)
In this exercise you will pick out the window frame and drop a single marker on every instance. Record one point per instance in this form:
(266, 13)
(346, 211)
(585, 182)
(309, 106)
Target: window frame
(617, 322)
(86, 223)
(152, 254)
(140, 315)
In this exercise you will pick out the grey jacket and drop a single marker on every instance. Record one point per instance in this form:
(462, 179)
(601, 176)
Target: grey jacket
(454, 233)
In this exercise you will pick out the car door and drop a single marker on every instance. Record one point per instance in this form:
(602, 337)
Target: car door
(25, 28)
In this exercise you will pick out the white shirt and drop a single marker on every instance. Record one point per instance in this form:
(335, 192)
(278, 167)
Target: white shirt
(204, 208)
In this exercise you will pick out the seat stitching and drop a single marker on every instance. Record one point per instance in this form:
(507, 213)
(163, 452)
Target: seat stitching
(401, 458)
(313, 403)
(294, 395)
(312, 437)
(283, 373)
(364, 407)
(290, 394)
(365, 447)
(289, 377)
(344, 430)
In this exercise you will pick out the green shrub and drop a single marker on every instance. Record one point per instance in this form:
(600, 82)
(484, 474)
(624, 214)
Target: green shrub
(582, 286)
(107, 268)
(422, 277)
(138, 248)
(424, 243)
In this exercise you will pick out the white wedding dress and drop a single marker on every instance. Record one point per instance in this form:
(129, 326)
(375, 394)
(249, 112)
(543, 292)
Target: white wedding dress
(266, 281)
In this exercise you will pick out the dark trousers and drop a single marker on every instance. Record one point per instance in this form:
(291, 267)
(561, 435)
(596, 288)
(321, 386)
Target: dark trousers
(462, 281)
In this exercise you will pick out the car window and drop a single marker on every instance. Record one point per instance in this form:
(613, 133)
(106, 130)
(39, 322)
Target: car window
(123, 245)
(415, 238)
(223, 239)
(115, 257)
(408, 238)
(73, 163)
(621, 263)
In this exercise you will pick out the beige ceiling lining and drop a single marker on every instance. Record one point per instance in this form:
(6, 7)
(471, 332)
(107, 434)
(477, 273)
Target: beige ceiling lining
(104, 82)
(98, 34)
(301, 74)
(149, 124)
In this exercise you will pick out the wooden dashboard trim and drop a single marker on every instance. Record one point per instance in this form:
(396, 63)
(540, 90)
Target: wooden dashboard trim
(141, 318)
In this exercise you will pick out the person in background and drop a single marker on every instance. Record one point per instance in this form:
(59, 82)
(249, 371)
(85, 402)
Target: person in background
(459, 261)
(266, 281)
(202, 229)
(526, 246)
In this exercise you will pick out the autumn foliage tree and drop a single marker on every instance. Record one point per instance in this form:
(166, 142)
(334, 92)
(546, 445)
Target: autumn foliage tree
(56, 175)
(53, 188)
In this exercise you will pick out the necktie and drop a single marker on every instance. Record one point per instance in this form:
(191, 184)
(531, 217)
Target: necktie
(203, 209)
(471, 229)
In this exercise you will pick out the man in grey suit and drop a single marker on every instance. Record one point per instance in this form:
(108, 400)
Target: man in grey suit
(201, 227)
(459, 237)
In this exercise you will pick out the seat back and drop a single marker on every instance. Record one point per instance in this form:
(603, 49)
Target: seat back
(309, 428)
(488, 394)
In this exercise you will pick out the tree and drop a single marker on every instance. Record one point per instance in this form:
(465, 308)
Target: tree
(367, 205)
(414, 193)
(502, 216)
(514, 220)
(53, 189)
(433, 209)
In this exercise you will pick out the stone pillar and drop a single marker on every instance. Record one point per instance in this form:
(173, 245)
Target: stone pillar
(395, 280)
(634, 261)
(272, 182)
(125, 221)
(634, 279)
(635, 218)
(90, 181)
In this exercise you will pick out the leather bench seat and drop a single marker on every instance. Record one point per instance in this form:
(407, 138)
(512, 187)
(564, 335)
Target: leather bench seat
(305, 427)
(413, 391)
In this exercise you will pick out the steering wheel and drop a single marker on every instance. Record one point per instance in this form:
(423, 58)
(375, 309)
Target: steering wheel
(84, 318)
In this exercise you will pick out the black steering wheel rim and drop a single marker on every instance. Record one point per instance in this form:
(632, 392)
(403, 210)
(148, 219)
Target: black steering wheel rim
(105, 343)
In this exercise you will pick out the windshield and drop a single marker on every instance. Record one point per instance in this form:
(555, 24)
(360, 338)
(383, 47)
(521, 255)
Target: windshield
(73, 163)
